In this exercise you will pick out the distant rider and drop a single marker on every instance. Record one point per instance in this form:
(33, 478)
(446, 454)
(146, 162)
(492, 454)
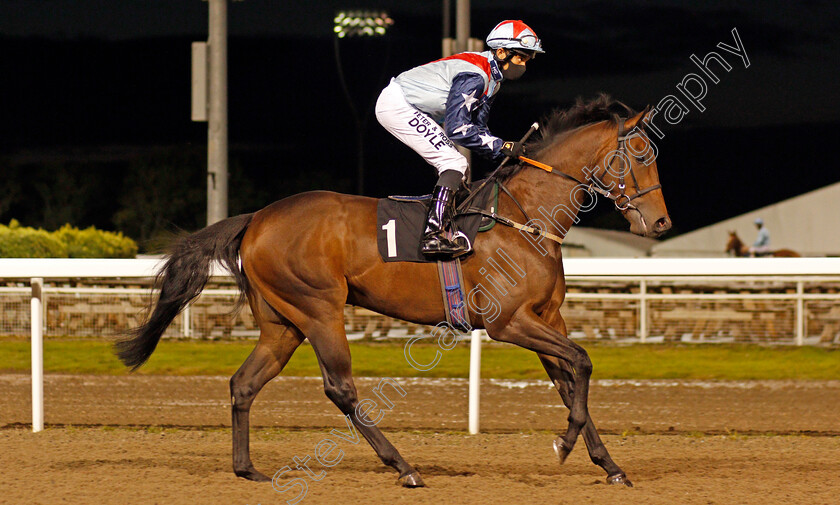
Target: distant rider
(762, 240)
(456, 92)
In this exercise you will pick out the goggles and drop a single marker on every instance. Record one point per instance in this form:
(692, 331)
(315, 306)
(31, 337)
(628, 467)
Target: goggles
(526, 42)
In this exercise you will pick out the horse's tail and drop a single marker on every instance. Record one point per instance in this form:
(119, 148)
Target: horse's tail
(183, 276)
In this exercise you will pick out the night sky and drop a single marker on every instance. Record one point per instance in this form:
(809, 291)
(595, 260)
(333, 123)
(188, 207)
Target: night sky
(98, 81)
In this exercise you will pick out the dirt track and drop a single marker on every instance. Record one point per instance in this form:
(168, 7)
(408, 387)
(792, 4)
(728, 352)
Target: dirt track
(680, 442)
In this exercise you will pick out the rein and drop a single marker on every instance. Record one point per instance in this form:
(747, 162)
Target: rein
(533, 230)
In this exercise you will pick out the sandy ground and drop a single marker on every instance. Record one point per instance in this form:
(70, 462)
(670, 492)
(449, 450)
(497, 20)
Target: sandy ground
(680, 442)
(435, 404)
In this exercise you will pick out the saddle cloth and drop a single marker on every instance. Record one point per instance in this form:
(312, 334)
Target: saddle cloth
(400, 222)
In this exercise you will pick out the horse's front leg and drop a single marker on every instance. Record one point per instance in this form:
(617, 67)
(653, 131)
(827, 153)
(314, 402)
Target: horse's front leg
(526, 329)
(561, 375)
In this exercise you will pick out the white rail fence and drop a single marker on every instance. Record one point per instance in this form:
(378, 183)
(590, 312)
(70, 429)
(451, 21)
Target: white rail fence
(775, 300)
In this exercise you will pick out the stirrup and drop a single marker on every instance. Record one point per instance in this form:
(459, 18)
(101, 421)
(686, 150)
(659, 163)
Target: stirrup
(463, 243)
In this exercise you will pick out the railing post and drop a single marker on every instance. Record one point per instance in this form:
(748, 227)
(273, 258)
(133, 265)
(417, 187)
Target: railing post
(643, 326)
(475, 379)
(186, 329)
(37, 327)
(800, 312)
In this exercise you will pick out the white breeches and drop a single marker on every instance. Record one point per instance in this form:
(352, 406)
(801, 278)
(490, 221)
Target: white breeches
(417, 130)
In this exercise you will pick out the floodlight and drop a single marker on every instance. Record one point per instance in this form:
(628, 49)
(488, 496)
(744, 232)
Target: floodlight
(361, 23)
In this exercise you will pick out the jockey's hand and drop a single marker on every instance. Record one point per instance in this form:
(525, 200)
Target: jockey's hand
(512, 149)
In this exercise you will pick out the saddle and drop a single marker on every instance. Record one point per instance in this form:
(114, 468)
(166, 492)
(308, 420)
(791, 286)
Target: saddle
(400, 221)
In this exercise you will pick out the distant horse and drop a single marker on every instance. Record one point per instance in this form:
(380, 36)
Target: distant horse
(735, 247)
(306, 256)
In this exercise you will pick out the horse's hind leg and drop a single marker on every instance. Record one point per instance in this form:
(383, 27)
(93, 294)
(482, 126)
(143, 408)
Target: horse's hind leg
(330, 345)
(276, 345)
(562, 377)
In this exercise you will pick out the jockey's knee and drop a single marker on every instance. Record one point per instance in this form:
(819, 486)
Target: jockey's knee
(450, 178)
(456, 163)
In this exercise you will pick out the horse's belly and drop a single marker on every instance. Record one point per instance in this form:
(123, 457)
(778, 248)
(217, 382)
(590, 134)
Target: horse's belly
(408, 291)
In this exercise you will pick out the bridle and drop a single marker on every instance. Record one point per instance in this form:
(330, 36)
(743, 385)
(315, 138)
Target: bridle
(595, 182)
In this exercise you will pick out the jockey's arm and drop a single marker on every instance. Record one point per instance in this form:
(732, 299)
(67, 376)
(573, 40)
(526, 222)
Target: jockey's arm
(763, 238)
(466, 113)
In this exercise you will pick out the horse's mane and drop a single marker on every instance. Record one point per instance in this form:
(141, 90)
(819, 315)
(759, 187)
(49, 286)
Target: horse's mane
(559, 121)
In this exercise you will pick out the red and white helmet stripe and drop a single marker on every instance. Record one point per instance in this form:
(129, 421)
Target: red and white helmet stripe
(514, 34)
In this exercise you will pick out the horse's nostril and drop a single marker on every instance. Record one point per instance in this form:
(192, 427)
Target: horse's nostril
(663, 223)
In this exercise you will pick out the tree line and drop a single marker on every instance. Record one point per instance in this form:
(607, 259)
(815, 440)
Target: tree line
(146, 193)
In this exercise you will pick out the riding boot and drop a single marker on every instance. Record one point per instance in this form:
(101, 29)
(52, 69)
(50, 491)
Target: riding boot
(435, 242)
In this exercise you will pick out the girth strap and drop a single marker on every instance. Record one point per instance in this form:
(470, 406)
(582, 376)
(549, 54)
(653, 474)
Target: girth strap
(452, 288)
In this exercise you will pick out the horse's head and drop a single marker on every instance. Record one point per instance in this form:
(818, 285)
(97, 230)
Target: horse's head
(629, 174)
(734, 244)
(591, 134)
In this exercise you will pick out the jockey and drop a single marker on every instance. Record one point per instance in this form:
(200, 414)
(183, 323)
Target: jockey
(762, 239)
(456, 92)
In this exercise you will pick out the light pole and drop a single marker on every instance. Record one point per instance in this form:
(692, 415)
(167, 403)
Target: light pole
(217, 124)
(462, 42)
(210, 103)
(358, 24)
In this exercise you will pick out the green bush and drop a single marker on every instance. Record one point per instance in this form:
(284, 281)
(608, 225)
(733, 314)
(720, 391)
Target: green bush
(68, 242)
(93, 243)
(20, 242)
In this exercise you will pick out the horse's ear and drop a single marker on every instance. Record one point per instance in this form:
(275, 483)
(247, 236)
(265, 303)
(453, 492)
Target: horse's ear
(637, 120)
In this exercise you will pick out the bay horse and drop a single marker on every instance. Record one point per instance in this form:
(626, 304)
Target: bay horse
(736, 247)
(301, 259)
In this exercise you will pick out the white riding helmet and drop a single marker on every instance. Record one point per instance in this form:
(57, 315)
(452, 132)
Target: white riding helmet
(514, 34)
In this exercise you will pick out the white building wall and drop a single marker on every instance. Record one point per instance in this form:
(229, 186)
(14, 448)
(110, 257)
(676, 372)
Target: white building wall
(808, 224)
(596, 243)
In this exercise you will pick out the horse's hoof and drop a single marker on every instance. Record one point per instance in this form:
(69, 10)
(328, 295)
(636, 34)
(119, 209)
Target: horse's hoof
(561, 450)
(411, 479)
(619, 478)
(252, 474)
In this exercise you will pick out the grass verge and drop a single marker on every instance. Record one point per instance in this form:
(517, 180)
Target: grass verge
(648, 361)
